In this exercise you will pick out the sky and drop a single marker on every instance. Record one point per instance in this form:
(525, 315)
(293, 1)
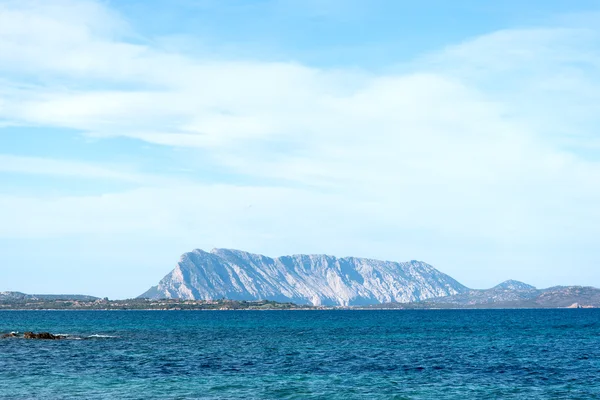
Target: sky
(465, 134)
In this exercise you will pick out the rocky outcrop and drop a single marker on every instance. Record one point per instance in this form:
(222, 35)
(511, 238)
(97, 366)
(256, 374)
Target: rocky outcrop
(41, 335)
(301, 279)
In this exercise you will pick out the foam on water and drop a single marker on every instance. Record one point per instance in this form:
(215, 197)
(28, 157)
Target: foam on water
(98, 336)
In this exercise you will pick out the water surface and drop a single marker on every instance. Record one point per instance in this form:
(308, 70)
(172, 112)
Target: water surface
(435, 354)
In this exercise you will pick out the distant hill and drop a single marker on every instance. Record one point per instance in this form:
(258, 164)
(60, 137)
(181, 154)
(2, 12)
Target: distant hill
(513, 285)
(18, 296)
(506, 291)
(301, 279)
(524, 296)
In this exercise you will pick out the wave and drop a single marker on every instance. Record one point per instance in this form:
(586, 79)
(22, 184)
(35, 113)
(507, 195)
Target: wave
(102, 337)
(69, 336)
(65, 336)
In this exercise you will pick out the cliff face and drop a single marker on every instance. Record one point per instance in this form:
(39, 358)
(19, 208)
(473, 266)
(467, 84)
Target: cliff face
(302, 279)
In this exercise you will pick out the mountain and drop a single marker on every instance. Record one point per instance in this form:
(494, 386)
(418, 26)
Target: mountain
(513, 285)
(18, 296)
(301, 279)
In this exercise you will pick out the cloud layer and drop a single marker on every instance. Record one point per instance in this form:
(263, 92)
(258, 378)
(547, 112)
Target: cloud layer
(487, 144)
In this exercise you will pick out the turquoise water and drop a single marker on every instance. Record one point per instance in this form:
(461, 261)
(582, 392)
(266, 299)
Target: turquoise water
(449, 354)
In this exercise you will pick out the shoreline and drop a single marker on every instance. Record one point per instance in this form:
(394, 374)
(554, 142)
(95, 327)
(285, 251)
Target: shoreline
(303, 309)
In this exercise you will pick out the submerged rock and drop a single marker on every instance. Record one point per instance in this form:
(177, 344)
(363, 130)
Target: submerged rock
(9, 335)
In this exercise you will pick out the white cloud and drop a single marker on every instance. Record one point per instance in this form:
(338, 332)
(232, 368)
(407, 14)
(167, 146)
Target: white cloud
(46, 166)
(469, 144)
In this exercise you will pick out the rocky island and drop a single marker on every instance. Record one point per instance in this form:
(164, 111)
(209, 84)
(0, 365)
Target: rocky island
(224, 279)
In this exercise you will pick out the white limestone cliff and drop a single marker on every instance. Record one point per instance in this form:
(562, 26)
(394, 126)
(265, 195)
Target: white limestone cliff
(302, 279)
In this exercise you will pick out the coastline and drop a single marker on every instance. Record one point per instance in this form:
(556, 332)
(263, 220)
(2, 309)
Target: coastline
(304, 309)
(69, 304)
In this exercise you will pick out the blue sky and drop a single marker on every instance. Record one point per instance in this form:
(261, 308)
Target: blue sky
(464, 134)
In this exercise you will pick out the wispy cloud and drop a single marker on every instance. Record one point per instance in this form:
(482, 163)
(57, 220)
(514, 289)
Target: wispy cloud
(58, 167)
(479, 141)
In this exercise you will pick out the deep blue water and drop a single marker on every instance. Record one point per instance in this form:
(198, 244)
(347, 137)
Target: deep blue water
(512, 354)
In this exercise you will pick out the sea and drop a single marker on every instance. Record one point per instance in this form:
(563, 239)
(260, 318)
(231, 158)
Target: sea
(325, 354)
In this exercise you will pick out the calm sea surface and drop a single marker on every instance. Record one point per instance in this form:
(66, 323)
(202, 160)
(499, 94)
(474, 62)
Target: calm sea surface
(525, 354)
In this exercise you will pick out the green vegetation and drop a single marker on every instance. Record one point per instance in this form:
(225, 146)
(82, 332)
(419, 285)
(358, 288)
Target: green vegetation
(146, 304)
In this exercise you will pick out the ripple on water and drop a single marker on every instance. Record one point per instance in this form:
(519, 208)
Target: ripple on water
(302, 355)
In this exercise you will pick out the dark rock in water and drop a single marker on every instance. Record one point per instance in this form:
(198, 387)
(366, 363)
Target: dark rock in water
(41, 335)
(9, 335)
